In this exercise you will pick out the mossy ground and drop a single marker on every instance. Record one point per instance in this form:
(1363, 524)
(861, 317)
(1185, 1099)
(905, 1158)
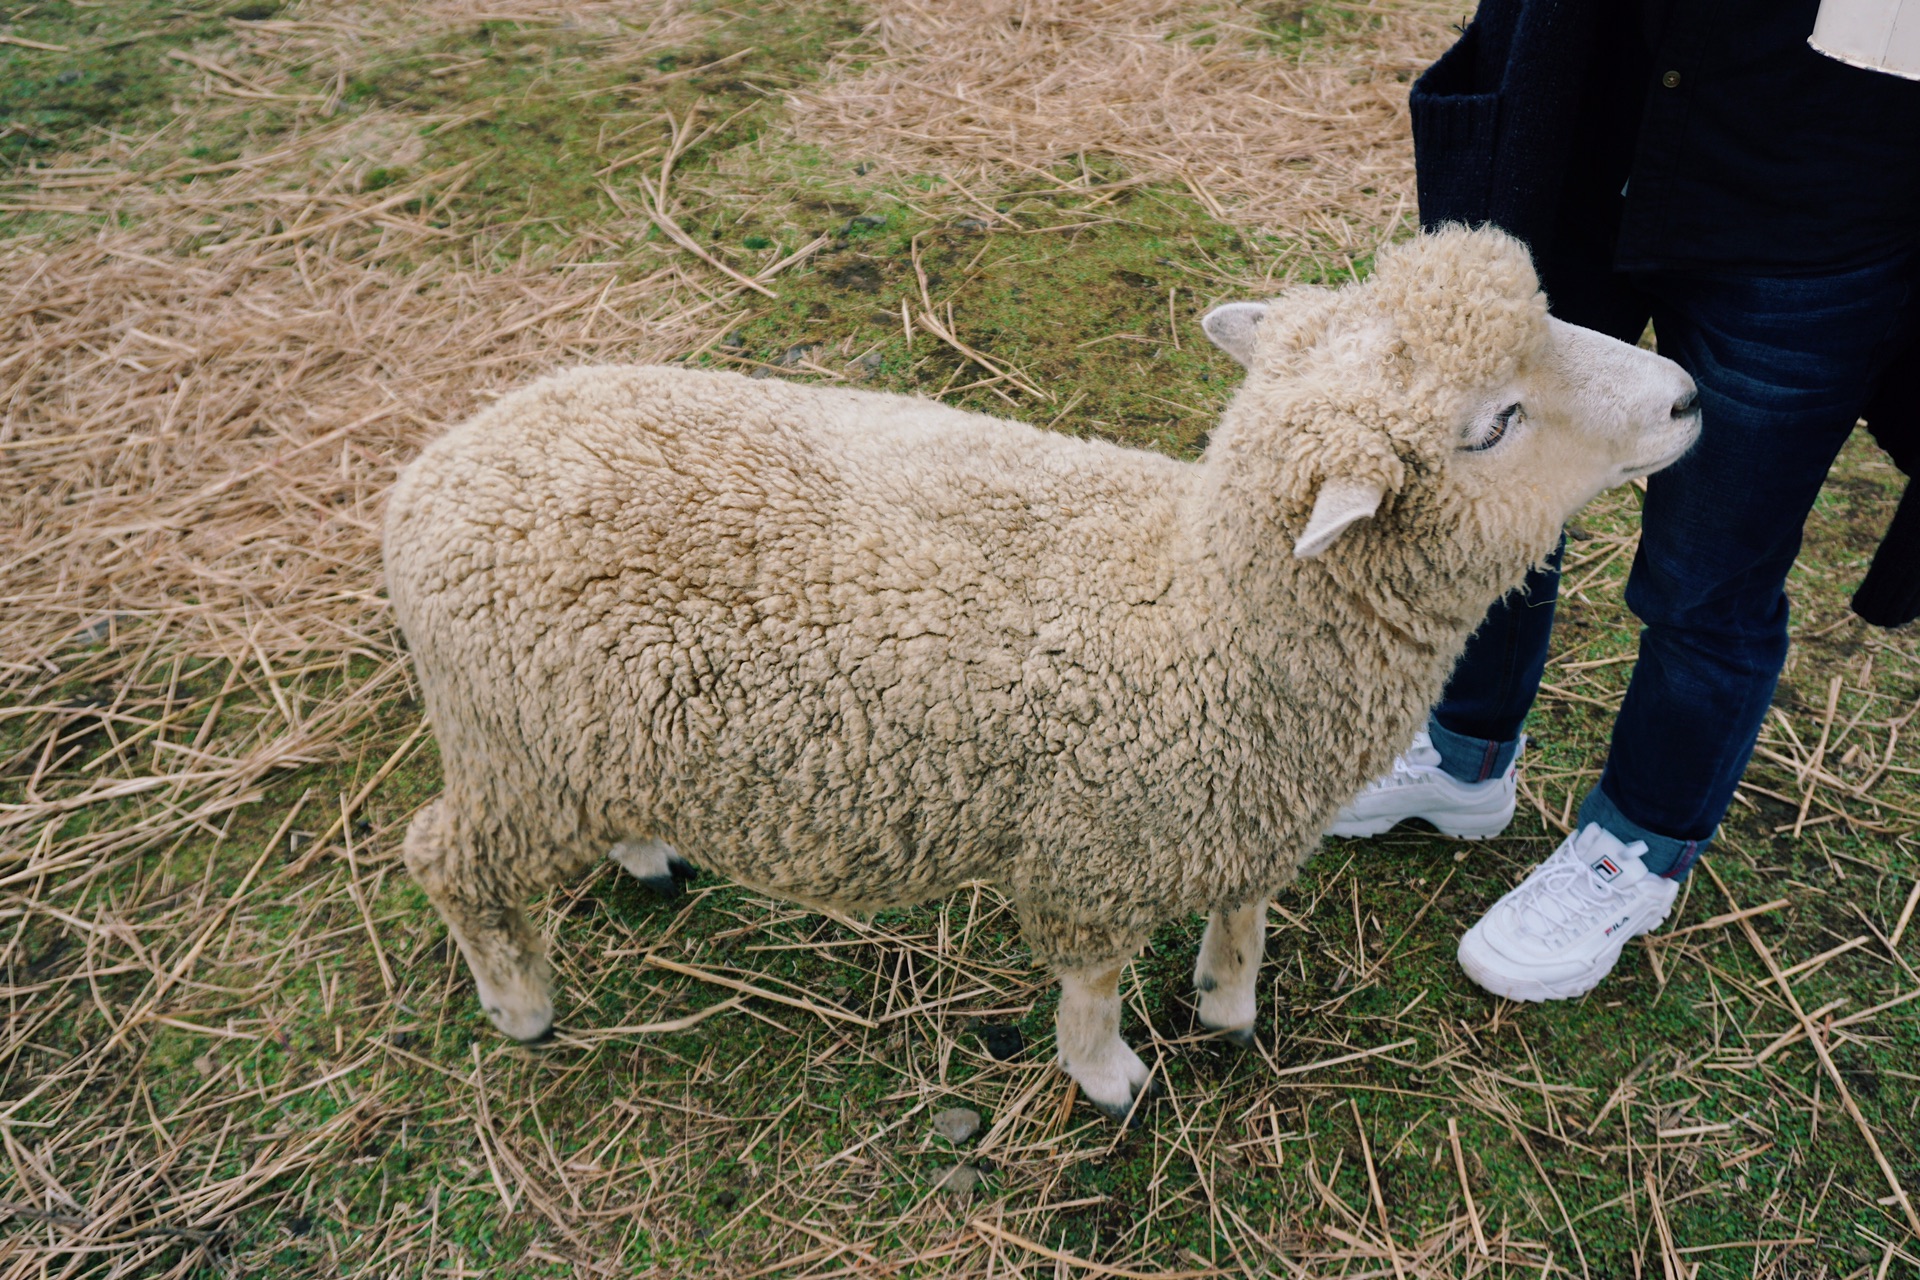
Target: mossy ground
(682, 1150)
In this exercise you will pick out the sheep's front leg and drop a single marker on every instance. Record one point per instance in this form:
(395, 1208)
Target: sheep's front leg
(511, 973)
(654, 864)
(1087, 1032)
(474, 888)
(1227, 972)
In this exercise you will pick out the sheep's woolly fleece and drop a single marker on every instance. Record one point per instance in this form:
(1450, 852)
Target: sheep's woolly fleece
(858, 649)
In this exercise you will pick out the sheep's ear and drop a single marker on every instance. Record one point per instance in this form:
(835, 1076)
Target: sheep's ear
(1230, 327)
(1341, 504)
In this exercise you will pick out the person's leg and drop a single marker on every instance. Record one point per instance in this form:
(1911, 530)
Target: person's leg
(1475, 727)
(1784, 366)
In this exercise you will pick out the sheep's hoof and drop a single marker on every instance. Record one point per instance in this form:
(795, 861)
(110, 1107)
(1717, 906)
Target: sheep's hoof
(1132, 1114)
(672, 882)
(668, 886)
(535, 1027)
(1239, 1037)
(654, 864)
(522, 1007)
(1229, 1012)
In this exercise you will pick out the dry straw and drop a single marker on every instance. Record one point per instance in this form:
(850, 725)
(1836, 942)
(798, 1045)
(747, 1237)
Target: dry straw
(1300, 138)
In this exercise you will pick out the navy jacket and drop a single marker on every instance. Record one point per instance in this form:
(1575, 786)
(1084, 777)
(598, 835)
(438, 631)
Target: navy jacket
(1613, 137)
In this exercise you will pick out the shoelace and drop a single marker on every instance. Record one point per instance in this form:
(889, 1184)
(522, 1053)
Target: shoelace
(1405, 769)
(1560, 901)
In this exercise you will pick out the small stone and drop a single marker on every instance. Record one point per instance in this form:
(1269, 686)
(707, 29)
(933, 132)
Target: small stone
(1459, 855)
(204, 1064)
(959, 1180)
(971, 224)
(92, 633)
(957, 1124)
(1002, 1042)
(867, 365)
(796, 354)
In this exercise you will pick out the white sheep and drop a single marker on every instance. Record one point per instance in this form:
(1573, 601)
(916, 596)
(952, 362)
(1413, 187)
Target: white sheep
(860, 649)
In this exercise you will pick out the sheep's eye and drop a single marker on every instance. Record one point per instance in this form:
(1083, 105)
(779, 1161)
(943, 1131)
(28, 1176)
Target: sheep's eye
(1487, 434)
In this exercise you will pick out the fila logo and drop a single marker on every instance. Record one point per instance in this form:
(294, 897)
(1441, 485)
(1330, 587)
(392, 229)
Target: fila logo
(1607, 869)
(1623, 920)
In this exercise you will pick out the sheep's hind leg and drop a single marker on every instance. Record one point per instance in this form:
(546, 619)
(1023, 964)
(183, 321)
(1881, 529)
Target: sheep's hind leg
(1087, 1033)
(476, 895)
(654, 864)
(1227, 971)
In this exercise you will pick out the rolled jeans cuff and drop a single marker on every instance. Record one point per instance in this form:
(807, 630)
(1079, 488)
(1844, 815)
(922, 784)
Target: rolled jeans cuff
(1469, 759)
(1665, 855)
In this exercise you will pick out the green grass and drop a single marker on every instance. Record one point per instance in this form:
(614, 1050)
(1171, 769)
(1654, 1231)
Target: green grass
(108, 71)
(693, 1150)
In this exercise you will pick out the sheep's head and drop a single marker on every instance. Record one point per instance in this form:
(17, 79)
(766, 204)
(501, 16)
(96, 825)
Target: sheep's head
(1438, 401)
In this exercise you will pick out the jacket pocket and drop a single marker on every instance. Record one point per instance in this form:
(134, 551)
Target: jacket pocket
(1455, 131)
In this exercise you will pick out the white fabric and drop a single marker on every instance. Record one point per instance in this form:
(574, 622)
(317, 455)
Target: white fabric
(1880, 35)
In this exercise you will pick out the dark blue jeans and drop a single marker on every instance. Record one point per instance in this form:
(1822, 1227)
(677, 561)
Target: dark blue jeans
(1784, 366)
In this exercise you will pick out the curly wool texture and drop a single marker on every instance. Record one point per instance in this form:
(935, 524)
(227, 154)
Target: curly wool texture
(859, 649)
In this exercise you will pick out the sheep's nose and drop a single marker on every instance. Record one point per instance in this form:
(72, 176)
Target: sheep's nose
(1684, 406)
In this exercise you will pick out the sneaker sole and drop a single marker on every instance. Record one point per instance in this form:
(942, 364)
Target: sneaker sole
(1529, 991)
(1460, 826)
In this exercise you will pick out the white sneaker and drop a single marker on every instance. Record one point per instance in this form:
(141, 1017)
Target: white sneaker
(1419, 788)
(1556, 934)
